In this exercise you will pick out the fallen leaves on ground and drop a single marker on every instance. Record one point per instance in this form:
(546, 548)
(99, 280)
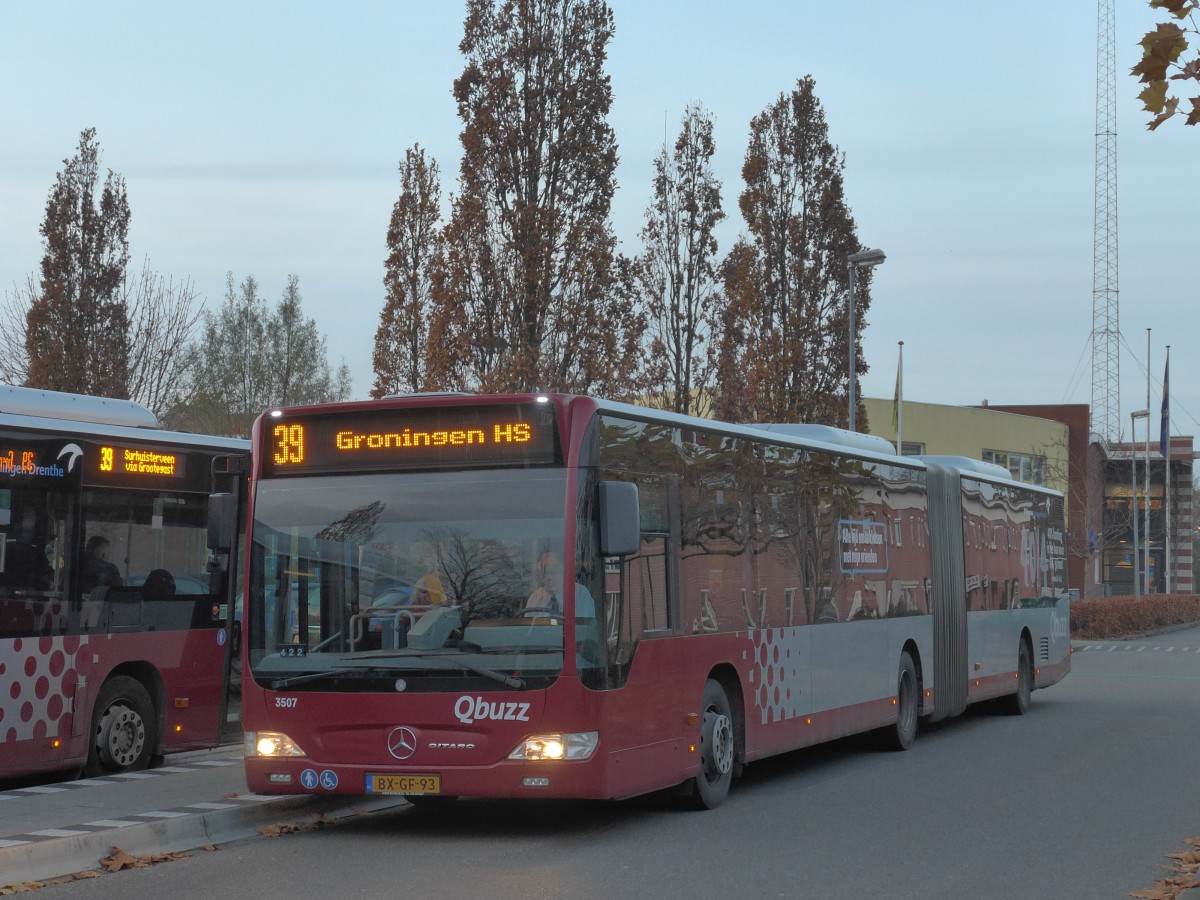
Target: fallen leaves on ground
(1186, 877)
(119, 859)
(278, 828)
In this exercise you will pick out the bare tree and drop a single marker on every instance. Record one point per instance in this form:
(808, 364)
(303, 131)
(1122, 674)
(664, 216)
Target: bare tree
(676, 274)
(162, 318)
(14, 354)
(249, 358)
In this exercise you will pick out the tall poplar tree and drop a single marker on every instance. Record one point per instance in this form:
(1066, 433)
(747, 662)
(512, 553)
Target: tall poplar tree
(787, 280)
(413, 240)
(527, 297)
(676, 275)
(77, 335)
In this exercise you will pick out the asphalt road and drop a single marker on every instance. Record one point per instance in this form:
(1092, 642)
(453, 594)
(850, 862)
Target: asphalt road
(1081, 798)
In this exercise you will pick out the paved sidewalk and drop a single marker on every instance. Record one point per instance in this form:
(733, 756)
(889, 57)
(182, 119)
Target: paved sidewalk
(195, 799)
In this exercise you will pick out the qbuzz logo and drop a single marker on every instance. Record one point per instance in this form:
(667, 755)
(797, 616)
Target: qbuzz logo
(468, 709)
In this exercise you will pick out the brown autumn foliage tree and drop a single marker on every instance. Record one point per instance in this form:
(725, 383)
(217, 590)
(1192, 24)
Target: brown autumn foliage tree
(785, 347)
(676, 275)
(413, 242)
(527, 294)
(77, 330)
(1163, 60)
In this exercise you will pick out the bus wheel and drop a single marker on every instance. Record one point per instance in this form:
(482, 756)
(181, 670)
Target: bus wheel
(1018, 704)
(717, 744)
(901, 735)
(123, 728)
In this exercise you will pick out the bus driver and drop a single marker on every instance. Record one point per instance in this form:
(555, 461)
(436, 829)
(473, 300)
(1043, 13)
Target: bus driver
(546, 598)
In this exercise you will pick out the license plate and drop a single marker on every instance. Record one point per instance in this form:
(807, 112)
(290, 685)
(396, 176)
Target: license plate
(404, 784)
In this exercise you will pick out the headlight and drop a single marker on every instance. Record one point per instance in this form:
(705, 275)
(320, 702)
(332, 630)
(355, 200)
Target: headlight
(270, 743)
(579, 745)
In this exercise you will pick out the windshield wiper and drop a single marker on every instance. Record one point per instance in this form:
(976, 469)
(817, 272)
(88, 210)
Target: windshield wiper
(518, 683)
(280, 683)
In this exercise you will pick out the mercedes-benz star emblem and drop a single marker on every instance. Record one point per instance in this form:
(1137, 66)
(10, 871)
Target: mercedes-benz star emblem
(402, 742)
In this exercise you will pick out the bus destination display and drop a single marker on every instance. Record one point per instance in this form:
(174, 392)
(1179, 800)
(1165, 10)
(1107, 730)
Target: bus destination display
(504, 435)
(132, 464)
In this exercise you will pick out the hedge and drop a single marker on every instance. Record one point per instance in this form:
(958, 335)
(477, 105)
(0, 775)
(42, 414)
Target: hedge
(1117, 617)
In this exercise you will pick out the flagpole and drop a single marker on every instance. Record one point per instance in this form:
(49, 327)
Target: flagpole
(1146, 477)
(898, 403)
(1165, 440)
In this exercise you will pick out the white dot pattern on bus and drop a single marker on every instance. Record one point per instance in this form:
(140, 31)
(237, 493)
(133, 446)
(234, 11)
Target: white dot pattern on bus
(778, 689)
(38, 677)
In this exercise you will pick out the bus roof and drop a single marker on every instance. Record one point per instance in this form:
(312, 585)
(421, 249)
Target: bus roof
(23, 401)
(990, 472)
(816, 437)
(96, 417)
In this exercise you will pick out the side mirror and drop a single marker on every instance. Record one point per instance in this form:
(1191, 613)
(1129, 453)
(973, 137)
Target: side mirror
(222, 522)
(620, 522)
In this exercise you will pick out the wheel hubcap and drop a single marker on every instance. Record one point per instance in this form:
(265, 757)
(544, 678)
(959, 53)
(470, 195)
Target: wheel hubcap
(719, 759)
(121, 736)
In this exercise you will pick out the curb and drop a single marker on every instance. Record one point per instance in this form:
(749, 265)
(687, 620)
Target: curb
(55, 858)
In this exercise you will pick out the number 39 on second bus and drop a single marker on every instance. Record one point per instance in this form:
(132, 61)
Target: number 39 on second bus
(556, 596)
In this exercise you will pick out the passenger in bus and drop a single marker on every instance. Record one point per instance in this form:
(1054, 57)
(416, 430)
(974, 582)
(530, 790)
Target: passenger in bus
(97, 571)
(159, 584)
(428, 591)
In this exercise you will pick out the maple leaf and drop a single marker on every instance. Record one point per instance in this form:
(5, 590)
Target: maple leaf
(1165, 114)
(1154, 97)
(117, 860)
(1180, 9)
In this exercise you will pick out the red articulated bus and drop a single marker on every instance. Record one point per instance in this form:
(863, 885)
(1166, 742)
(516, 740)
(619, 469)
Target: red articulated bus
(114, 615)
(731, 592)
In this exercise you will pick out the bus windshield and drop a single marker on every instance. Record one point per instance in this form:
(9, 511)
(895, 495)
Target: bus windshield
(424, 577)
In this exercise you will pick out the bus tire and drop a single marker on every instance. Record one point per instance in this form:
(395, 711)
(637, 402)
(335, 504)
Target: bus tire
(901, 734)
(123, 728)
(718, 746)
(1017, 703)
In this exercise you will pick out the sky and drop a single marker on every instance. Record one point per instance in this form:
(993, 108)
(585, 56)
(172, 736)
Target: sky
(264, 139)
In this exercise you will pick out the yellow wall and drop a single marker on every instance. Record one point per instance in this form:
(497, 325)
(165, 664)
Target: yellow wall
(968, 431)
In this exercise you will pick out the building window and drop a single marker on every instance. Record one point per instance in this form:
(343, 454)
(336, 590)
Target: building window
(1025, 467)
(909, 448)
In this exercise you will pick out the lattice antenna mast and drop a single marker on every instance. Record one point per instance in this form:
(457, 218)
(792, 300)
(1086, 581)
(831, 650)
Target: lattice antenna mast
(1106, 332)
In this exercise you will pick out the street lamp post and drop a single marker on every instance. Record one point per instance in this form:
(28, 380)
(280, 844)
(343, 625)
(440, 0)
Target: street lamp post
(1133, 505)
(863, 259)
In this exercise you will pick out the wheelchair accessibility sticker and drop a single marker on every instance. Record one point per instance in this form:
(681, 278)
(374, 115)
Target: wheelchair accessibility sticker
(327, 780)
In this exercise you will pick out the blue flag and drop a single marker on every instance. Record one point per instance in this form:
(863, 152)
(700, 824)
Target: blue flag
(1165, 434)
